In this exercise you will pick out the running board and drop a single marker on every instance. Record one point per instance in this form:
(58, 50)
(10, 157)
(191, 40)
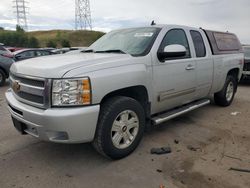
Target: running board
(179, 111)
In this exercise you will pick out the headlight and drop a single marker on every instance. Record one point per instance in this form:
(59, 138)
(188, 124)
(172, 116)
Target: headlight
(70, 92)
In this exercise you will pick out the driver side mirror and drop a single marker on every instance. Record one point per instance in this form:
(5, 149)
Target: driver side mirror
(172, 51)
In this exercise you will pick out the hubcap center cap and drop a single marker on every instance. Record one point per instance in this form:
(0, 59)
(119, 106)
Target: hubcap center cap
(124, 128)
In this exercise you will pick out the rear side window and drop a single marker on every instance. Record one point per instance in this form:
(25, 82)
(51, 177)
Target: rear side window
(176, 36)
(226, 41)
(199, 45)
(223, 42)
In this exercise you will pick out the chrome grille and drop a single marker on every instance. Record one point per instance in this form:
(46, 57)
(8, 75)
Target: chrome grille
(30, 90)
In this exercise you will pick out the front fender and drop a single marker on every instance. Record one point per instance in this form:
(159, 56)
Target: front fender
(108, 80)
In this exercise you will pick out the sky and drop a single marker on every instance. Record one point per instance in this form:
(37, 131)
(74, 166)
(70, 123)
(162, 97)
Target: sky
(221, 15)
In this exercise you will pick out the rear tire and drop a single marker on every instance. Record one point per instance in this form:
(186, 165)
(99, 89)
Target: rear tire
(2, 78)
(226, 95)
(120, 127)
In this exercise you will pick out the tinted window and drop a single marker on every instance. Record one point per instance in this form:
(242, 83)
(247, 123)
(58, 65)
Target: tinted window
(199, 45)
(27, 54)
(2, 48)
(226, 41)
(42, 53)
(176, 36)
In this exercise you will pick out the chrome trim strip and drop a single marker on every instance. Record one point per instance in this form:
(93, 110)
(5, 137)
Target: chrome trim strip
(27, 101)
(47, 93)
(167, 95)
(27, 76)
(34, 90)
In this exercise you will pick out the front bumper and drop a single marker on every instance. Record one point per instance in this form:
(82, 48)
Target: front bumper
(61, 125)
(247, 73)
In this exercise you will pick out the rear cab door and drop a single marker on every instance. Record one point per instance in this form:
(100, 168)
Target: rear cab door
(204, 63)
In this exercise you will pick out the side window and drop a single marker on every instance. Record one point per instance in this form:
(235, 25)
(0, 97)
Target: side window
(42, 53)
(2, 48)
(39, 53)
(27, 54)
(176, 36)
(199, 45)
(45, 53)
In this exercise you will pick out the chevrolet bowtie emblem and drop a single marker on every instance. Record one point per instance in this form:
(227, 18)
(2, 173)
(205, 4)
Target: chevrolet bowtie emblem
(16, 86)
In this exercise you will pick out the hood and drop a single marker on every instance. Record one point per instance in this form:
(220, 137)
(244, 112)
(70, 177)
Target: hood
(55, 66)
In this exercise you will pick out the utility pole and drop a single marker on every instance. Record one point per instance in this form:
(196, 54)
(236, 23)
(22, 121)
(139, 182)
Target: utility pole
(21, 13)
(82, 15)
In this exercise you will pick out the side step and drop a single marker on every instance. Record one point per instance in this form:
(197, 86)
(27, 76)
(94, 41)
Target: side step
(179, 111)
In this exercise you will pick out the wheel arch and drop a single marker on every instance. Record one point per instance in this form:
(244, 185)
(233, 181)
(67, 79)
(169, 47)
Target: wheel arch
(139, 93)
(235, 73)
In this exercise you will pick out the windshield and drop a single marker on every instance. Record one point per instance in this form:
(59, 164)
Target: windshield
(136, 42)
(247, 52)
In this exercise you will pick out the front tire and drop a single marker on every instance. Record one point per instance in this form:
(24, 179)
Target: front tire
(2, 78)
(226, 95)
(120, 127)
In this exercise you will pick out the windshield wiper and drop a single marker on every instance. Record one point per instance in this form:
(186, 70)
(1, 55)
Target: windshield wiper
(86, 51)
(111, 51)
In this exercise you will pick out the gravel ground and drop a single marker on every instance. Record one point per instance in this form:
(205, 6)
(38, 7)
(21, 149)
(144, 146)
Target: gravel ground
(209, 141)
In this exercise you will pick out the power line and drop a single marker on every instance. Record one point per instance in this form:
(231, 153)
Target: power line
(21, 13)
(82, 15)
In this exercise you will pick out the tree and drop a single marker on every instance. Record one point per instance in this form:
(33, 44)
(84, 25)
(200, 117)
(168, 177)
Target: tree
(65, 43)
(1, 28)
(19, 29)
(33, 42)
(51, 44)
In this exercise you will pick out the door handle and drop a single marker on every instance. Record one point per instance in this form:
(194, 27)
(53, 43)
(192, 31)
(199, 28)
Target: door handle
(190, 67)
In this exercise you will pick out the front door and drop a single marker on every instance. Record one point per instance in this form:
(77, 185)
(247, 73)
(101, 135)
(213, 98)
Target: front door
(174, 78)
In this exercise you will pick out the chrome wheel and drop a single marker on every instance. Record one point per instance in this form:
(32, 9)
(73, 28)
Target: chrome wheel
(124, 129)
(230, 91)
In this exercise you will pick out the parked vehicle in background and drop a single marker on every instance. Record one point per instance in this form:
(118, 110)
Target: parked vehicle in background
(67, 50)
(5, 51)
(76, 51)
(61, 50)
(13, 49)
(30, 53)
(124, 83)
(246, 68)
(5, 64)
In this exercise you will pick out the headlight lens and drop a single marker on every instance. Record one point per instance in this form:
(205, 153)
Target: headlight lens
(69, 92)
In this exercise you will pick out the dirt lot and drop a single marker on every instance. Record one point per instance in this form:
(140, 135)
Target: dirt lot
(219, 141)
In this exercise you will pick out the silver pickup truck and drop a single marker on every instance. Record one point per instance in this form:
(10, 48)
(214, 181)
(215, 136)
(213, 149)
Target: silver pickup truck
(127, 81)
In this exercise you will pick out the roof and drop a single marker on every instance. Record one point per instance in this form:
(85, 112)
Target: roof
(29, 49)
(173, 25)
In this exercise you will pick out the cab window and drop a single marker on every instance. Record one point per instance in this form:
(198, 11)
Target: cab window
(176, 36)
(199, 45)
